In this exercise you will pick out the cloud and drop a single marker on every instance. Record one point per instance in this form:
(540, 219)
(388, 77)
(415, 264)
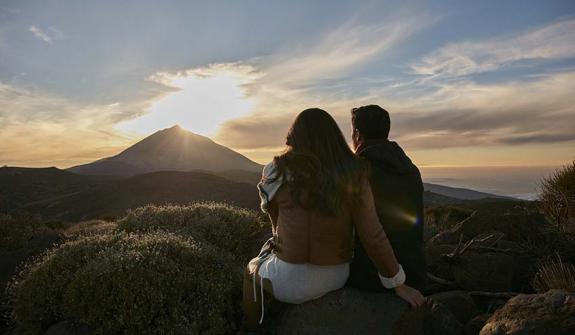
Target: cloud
(537, 111)
(39, 128)
(47, 36)
(344, 50)
(551, 42)
(288, 81)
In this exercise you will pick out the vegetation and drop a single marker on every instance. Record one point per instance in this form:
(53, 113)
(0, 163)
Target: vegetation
(156, 283)
(17, 230)
(554, 273)
(557, 198)
(441, 218)
(162, 270)
(235, 230)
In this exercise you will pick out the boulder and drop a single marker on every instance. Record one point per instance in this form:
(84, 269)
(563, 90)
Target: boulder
(517, 227)
(351, 311)
(459, 303)
(346, 311)
(549, 313)
(432, 319)
(69, 328)
(490, 271)
(474, 326)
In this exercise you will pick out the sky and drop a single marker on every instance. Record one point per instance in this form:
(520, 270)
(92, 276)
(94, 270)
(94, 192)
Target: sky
(482, 83)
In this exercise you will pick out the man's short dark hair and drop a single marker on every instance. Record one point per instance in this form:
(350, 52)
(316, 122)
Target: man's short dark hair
(371, 121)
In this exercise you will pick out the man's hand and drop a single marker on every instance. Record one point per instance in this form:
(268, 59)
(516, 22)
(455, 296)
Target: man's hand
(409, 294)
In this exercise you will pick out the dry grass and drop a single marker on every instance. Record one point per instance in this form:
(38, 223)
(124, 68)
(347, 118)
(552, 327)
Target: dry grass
(557, 198)
(555, 274)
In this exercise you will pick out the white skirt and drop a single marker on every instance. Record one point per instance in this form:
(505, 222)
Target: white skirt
(298, 283)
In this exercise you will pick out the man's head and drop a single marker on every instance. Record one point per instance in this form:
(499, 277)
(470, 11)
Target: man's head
(369, 122)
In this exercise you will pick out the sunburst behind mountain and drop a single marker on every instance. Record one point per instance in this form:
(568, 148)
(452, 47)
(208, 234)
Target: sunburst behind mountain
(171, 149)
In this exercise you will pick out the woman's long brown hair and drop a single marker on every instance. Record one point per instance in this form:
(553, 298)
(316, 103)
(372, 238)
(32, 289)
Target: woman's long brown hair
(318, 166)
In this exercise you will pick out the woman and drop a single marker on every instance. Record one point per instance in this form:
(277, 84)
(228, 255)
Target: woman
(316, 194)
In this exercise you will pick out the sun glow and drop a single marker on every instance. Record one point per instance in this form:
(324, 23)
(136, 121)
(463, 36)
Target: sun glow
(203, 99)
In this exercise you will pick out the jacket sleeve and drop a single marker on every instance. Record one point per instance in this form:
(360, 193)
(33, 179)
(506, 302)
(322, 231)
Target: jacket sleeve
(371, 233)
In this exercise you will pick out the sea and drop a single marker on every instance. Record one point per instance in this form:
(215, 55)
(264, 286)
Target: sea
(522, 182)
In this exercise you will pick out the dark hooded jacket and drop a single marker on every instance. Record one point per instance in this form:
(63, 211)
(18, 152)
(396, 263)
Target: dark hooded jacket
(398, 193)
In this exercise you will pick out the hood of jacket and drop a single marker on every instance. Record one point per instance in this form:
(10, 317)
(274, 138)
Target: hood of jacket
(387, 155)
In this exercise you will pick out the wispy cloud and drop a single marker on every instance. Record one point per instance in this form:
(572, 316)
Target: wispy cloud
(289, 80)
(39, 128)
(550, 42)
(48, 36)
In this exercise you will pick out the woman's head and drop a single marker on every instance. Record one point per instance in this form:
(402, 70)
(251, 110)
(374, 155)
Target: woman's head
(322, 168)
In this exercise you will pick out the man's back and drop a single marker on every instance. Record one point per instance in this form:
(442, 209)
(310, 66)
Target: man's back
(398, 194)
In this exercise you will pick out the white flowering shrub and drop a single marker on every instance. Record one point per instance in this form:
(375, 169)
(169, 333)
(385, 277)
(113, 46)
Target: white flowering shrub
(153, 283)
(233, 229)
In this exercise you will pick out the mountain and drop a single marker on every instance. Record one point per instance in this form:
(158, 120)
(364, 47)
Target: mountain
(164, 187)
(462, 193)
(62, 195)
(171, 149)
(434, 194)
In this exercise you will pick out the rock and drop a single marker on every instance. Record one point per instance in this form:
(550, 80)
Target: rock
(474, 326)
(517, 227)
(459, 303)
(491, 271)
(69, 328)
(432, 319)
(346, 311)
(549, 313)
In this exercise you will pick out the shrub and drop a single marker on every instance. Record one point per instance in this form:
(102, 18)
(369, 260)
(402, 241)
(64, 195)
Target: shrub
(235, 230)
(557, 197)
(442, 218)
(555, 274)
(92, 227)
(17, 230)
(155, 283)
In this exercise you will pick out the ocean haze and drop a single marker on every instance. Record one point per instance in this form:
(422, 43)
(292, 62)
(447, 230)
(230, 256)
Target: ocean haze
(515, 181)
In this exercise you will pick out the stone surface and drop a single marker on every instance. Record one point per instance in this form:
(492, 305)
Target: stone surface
(474, 326)
(69, 328)
(490, 271)
(549, 313)
(432, 319)
(346, 311)
(516, 227)
(459, 303)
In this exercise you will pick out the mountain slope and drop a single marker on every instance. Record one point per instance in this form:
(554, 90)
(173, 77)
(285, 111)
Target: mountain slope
(172, 149)
(167, 187)
(461, 193)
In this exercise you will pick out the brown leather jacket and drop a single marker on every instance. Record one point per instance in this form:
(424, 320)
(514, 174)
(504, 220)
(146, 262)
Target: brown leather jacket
(304, 236)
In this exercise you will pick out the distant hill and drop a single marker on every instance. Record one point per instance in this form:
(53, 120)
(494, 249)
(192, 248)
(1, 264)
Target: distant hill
(462, 193)
(171, 149)
(434, 194)
(61, 195)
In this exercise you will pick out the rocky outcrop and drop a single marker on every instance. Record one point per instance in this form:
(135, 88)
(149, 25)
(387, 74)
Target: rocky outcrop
(492, 272)
(346, 311)
(549, 313)
(351, 311)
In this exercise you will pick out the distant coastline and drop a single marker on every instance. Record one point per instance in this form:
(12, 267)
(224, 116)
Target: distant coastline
(514, 181)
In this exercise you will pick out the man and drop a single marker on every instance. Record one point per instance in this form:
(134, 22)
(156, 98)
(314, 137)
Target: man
(398, 193)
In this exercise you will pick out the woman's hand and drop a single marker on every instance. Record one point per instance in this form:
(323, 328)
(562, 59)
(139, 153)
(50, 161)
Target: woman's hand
(409, 294)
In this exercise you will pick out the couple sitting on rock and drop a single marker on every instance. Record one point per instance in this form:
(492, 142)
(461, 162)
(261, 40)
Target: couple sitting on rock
(338, 217)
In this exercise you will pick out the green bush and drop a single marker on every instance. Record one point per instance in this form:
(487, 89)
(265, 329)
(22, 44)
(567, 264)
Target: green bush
(17, 230)
(154, 283)
(557, 198)
(233, 229)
